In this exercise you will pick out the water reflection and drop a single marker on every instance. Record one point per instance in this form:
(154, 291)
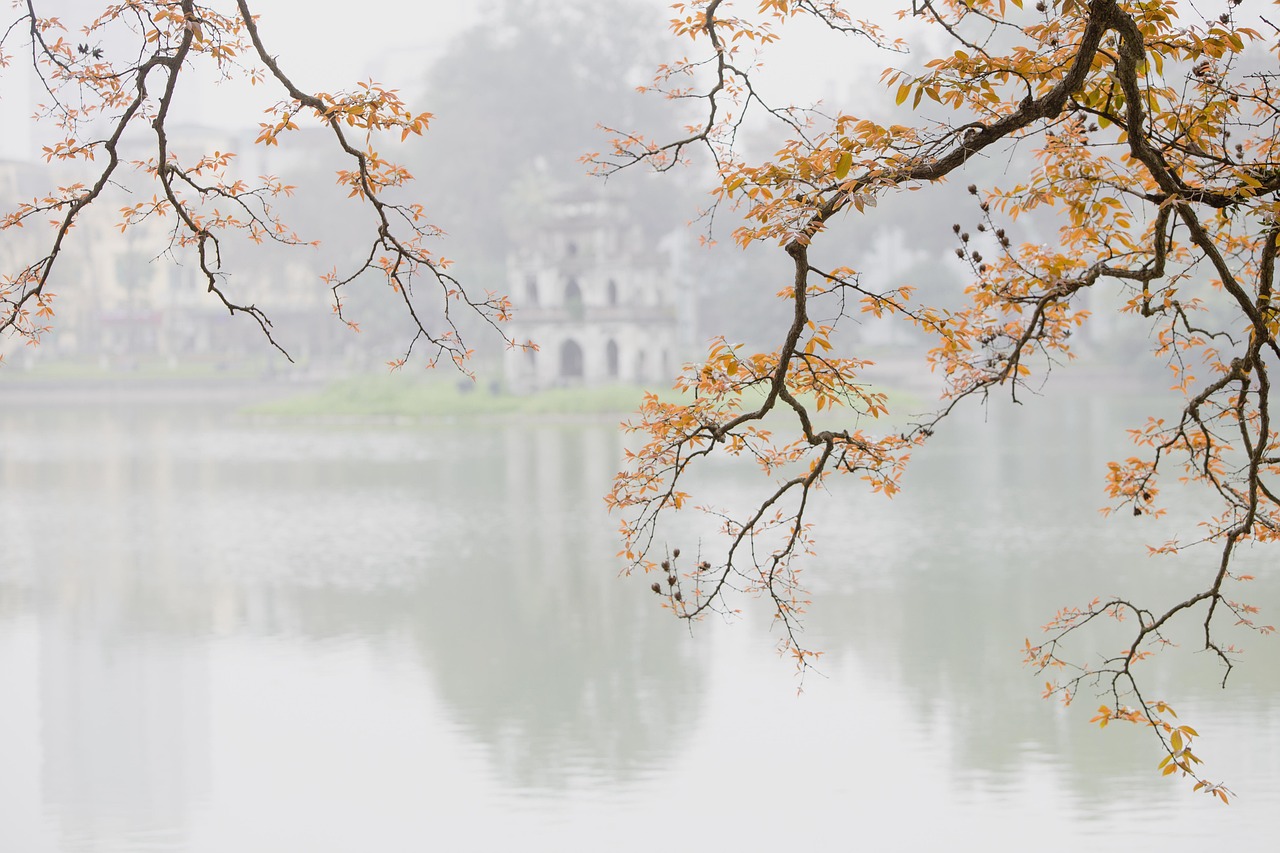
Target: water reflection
(539, 651)
(124, 715)
(996, 529)
(207, 608)
(142, 536)
(123, 681)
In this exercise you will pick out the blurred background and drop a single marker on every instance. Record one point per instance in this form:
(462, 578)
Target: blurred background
(255, 605)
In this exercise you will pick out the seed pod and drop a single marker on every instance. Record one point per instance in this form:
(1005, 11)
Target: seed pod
(676, 553)
(656, 587)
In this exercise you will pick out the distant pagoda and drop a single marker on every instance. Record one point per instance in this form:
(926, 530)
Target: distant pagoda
(598, 301)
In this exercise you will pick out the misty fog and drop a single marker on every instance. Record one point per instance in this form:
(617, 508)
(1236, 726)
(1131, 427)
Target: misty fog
(252, 601)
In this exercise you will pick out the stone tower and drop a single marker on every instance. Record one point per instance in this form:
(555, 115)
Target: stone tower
(599, 303)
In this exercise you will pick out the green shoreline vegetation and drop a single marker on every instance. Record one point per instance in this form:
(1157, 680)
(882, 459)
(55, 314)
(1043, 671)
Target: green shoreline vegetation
(398, 396)
(367, 395)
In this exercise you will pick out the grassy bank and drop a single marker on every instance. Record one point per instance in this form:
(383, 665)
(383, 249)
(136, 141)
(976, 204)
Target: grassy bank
(397, 395)
(401, 396)
(380, 395)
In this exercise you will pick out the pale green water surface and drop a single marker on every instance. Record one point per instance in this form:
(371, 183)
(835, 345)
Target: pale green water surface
(226, 636)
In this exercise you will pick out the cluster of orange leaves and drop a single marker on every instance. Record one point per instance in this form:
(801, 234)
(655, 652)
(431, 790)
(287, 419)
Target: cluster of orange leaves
(1155, 153)
(1155, 146)
(98, 90)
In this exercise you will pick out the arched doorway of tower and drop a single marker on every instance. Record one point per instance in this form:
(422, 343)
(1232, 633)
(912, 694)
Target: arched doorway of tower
(572, 292)
(611, 358)
(570, 360)
(573, 299)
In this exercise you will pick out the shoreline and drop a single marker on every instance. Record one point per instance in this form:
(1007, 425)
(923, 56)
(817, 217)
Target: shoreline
(148, 390)
(377, 398)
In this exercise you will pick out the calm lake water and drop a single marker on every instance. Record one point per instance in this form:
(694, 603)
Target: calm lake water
(230, 636)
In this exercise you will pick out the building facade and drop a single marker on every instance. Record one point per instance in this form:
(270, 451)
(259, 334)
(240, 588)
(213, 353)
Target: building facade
(597, 301)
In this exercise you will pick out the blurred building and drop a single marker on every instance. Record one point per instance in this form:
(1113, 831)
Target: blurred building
(595, 297)
(137, 294)
(603, 301)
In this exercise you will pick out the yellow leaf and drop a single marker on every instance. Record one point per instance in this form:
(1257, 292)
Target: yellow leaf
(843, 165)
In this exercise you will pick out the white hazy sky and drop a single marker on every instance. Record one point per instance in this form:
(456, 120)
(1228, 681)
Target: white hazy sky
(322, 46)
(328, 48)
(325, 47)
